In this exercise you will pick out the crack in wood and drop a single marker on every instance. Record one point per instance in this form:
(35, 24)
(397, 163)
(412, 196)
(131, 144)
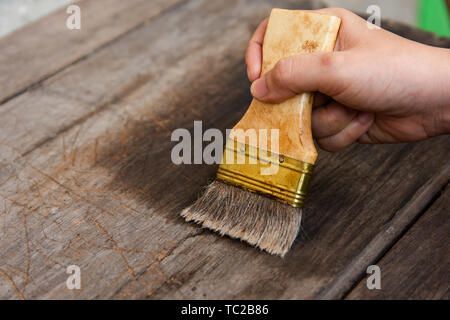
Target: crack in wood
(168, 252)
(116, 247)
(12, 283)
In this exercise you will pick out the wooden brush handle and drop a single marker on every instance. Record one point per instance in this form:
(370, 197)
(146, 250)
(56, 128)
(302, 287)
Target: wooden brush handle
(289, 33)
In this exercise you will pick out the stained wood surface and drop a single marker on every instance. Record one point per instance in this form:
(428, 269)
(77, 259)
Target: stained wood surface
(388, 235)
(418, 265)
(86, 177)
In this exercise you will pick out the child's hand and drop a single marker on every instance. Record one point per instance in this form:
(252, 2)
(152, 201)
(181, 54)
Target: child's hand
(375, 88)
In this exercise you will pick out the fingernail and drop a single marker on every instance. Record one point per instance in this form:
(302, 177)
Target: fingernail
(259, 88)
(365, 117)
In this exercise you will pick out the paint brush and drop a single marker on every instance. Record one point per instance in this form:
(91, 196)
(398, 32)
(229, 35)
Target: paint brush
(270, 154)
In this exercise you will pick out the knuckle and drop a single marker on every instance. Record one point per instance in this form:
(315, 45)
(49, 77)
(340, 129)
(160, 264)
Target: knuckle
(328, 60)
(283, 72)
(335, 66)
(331, 120)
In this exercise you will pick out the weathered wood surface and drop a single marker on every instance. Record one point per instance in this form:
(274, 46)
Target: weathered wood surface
(417, 267)
(44, 48)
(86, 176)
(388, 235)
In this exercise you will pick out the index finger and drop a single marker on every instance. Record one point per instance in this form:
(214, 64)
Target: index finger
(253, 56)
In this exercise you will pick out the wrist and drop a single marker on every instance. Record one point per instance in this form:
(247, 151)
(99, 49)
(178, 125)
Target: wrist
(438, 120)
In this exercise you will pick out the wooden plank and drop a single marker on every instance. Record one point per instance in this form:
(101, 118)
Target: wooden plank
(346, 209)
(43, 48)
(417, 267)
(87, 177)
(80, 95)
(389, 234)
(112, 73)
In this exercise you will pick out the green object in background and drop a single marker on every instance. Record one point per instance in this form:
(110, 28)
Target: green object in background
(434, 16)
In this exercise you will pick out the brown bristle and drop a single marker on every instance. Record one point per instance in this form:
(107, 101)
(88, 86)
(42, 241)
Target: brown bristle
(265, 223)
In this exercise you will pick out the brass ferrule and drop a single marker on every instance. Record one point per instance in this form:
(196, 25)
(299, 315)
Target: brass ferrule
(273, 175)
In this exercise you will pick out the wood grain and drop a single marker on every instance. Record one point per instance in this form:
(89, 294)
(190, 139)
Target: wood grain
(110, 75)
(417, 267)
(57, 116)
(41, 49)
(86, 176)
(389, 234)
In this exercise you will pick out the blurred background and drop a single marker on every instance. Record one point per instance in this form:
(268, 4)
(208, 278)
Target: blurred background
(431, 15)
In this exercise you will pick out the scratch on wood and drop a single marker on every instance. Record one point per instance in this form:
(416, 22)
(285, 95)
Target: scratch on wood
(116, 247)
(12, 283)
(34, 211)
(159, 258)
(5, 213)
(47, 258)
(95, 150)
(74, 146)
(83, 171)
(90, 244)
(148, 195)
(180, 174)
(70, 190)
(162, 124)
(125, 206)
(63, 145)
(123, 135)
(27, 245)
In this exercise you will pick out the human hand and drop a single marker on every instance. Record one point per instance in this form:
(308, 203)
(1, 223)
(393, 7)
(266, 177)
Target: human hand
(376, 87)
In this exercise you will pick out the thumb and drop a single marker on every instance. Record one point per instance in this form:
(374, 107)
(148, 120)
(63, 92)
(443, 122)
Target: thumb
(308, 72)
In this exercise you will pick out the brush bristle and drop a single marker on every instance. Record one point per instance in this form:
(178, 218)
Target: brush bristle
(265, 223)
